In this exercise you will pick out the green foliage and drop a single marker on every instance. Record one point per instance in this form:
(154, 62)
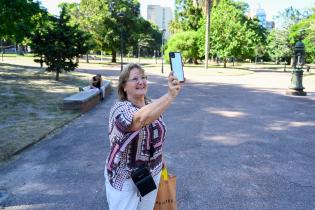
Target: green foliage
(232, 33)
(308, 25)
(186, 43)
(282, 39)
(187, 17)
(59, 43)
(147, 34)
(258, 39)
(101, 18)
(278, 45)
(76, 19)
(240, 5)
(290, 16)
(18, 18)
(73, 11)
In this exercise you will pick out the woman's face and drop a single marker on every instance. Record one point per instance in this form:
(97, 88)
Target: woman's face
(136, 85)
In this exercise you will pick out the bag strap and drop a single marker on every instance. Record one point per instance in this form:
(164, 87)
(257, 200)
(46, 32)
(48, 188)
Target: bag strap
(165, 174)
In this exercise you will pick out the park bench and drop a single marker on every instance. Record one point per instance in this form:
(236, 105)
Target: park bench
(86, 100)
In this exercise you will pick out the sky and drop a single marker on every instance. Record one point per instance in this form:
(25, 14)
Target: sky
(52, 5)
(271, 7)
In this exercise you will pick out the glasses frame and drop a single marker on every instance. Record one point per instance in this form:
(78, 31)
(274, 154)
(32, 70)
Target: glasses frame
(137, 79)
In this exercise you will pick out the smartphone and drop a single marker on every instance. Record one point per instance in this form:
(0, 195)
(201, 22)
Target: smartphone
(177, 65)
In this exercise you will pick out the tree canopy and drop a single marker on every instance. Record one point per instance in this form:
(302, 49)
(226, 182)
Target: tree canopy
(106, 20)
(308, 26)
(58, 42)
(186, 43)
(278, 45)
(18, 18)
(232, 33)
(187, 17)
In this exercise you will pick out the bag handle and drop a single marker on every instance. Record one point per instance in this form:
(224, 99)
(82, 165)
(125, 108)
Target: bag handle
(165, 174)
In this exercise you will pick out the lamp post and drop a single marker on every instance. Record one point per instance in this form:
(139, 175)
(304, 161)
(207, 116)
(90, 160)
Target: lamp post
(162, 53)
(139, 49)
(121, 15)
(296, 87)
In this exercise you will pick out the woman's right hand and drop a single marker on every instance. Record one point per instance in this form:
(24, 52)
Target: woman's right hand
(173, 85)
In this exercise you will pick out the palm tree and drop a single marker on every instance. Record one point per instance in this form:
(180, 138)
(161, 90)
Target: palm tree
(206, 5)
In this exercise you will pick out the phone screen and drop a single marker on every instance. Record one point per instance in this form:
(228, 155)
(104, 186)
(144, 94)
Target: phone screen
(177, 65)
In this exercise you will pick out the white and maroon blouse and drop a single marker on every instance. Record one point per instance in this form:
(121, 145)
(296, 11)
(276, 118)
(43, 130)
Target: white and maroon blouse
(129, 150)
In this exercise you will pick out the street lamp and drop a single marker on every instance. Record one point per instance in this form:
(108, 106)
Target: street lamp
(132, 10)
(139, 49)
(163, 31)
(121, 15)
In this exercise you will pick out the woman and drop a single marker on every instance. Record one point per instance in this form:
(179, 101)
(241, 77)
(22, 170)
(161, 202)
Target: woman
(97, 83)
(136, 134)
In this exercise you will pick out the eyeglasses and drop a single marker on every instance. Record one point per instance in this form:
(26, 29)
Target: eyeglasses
(137, 79)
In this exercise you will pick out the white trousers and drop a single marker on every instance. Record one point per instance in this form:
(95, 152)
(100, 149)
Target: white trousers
(128, 198)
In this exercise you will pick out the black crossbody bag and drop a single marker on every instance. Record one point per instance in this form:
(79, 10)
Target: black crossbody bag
(142, 177)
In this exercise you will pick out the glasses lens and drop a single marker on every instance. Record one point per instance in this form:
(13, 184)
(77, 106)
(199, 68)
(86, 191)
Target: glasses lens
(137, 79)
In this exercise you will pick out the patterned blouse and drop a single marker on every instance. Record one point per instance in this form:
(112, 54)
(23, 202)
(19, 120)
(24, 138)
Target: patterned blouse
(129, 150)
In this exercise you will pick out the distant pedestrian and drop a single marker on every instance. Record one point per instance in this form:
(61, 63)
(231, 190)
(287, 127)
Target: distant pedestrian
(136, 134)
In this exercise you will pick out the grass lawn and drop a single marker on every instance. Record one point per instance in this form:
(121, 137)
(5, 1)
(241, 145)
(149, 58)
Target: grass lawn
(31, 104)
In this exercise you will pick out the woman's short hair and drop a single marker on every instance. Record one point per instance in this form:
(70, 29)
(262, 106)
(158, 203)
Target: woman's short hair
(123, 77)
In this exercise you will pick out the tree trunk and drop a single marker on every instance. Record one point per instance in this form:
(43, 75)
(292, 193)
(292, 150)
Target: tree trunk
(208, 12)
(224, 60)
(195, 61)
(292, 61)
(87, 57)
(2, 49)
(41, 61)
(114, 56)
(57, 74)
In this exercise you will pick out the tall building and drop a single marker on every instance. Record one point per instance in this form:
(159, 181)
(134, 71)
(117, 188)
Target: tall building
(260, 14)
(161, 16)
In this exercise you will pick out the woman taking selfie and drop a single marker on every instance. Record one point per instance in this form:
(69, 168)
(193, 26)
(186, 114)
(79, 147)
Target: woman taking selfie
(136, 134)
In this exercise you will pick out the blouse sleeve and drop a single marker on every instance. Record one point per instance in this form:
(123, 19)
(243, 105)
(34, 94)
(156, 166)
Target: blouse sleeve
(123, 115)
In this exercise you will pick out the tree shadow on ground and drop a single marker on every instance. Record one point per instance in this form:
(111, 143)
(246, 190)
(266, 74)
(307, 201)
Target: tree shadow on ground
(231, 147)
